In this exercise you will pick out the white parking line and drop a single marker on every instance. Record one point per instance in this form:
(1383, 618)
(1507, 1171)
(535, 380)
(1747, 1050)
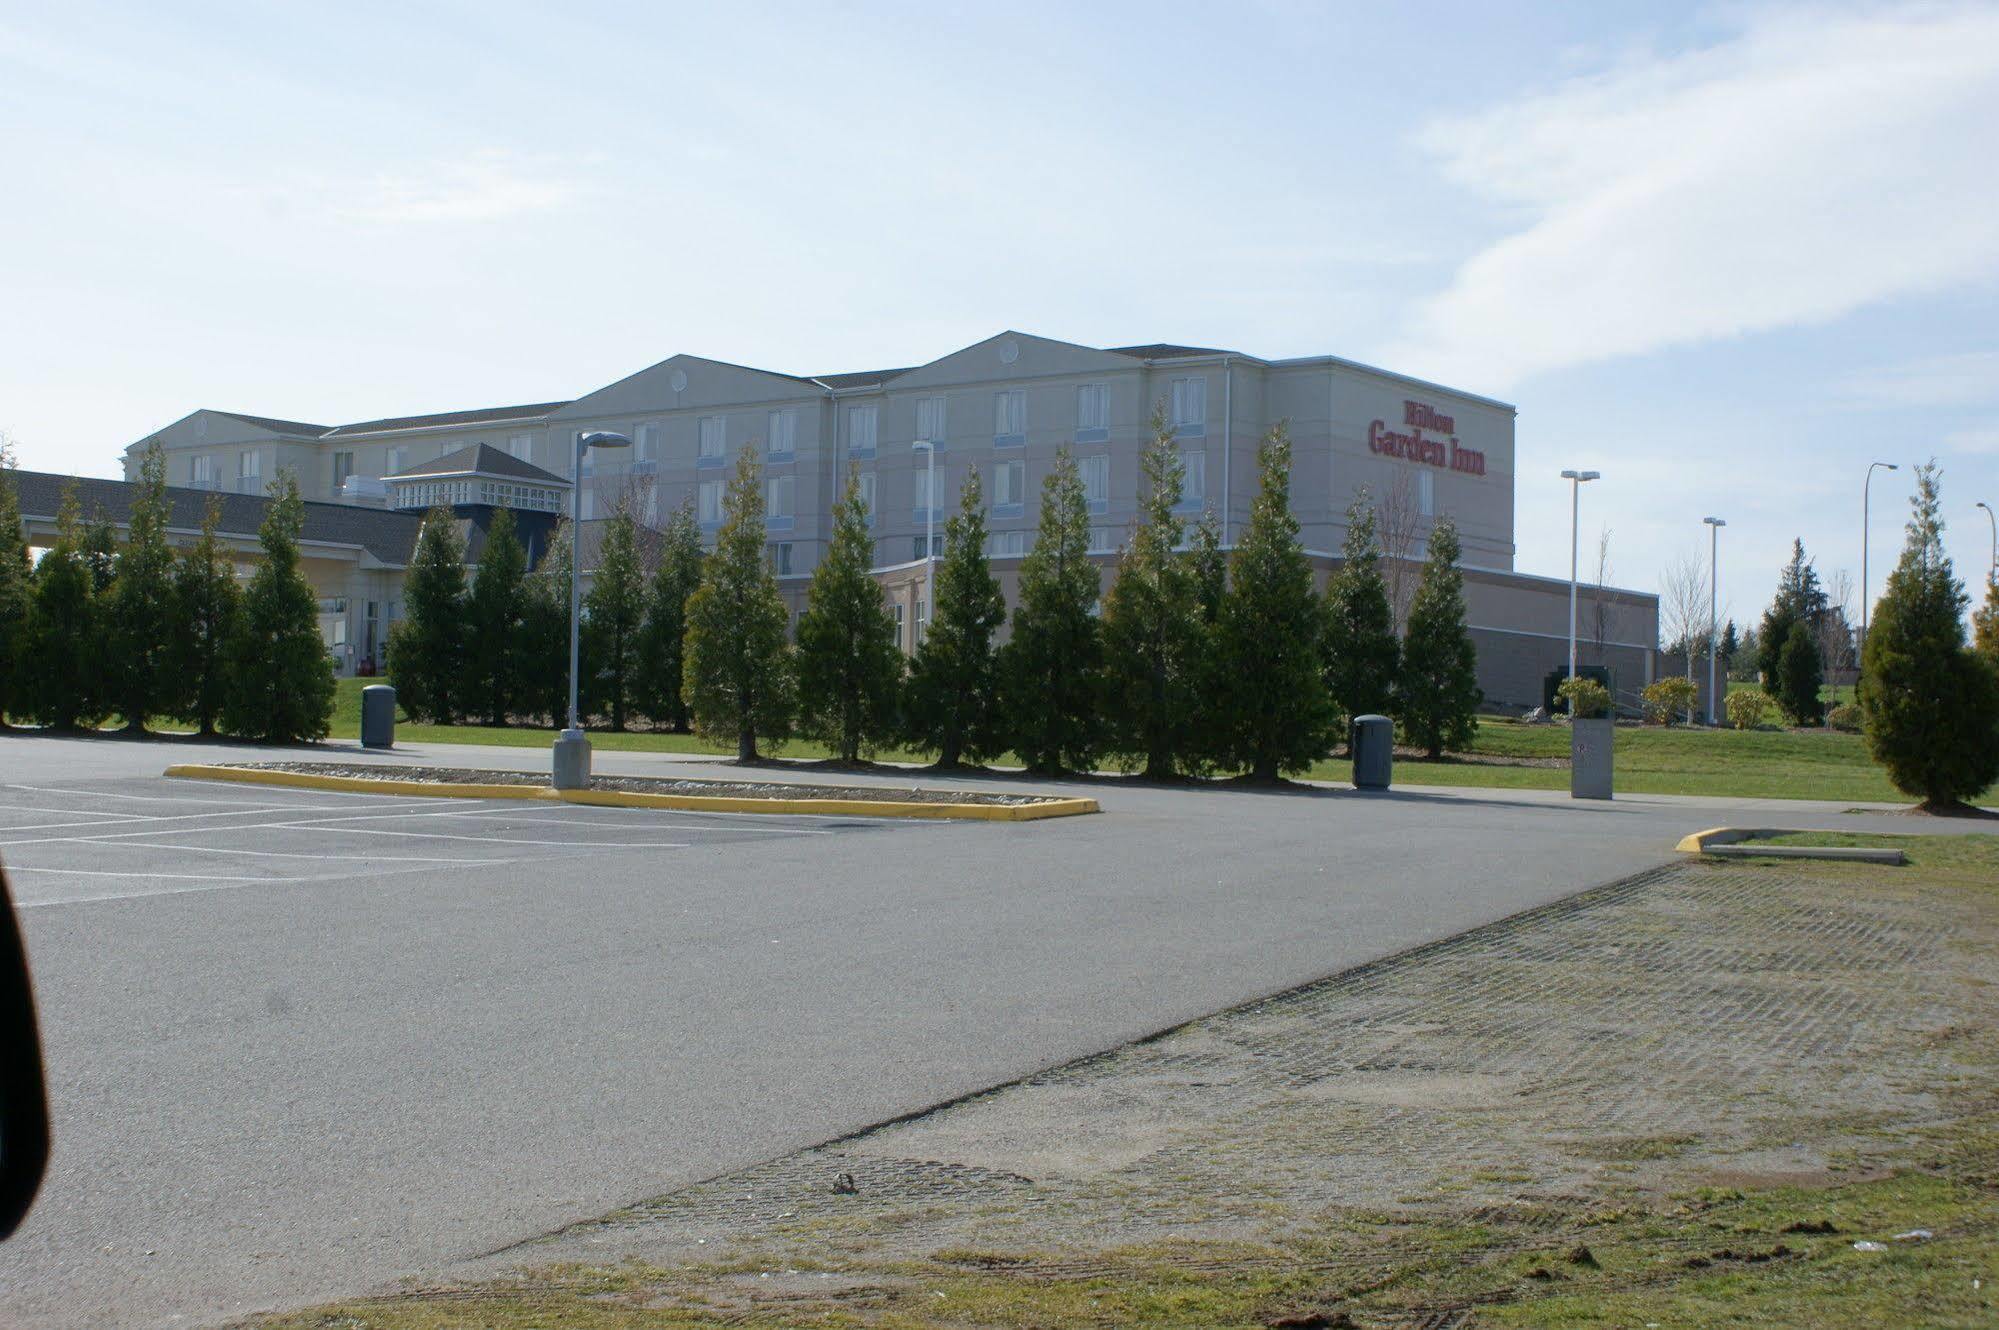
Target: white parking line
(503, 840)
(17, 869)
(250, 794)
(153, 830)
(274, 854)
(208, 883)
(143, 798)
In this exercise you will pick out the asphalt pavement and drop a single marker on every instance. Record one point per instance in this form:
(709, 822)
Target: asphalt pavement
(302, 1044)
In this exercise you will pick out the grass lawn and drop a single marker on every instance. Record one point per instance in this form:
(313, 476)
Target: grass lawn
(1764, 764)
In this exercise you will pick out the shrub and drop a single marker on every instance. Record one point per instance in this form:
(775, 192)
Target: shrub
(1437, 692)
(1666, 699)
(1746, 707)
(1586, 697)
(1845, 716)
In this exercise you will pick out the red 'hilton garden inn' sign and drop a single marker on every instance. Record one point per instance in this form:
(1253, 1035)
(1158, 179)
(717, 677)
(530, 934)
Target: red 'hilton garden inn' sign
(1416, 447)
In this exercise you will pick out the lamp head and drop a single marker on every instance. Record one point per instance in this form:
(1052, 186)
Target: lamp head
(1986, 506)
(1714, 521)
(922, 446)
(603, 439)
(1581, 475)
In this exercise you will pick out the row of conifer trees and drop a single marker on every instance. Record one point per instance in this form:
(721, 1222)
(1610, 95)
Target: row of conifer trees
(1195, 661)
(99, 630)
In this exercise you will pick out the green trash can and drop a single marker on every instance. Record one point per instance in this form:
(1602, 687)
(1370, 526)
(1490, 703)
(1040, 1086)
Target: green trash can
(1372, 743)
(378, 716)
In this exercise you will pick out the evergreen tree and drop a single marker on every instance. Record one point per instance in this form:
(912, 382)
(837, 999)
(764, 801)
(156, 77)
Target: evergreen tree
(949, 701)
(428, 661)
(497, 616)
(613, 614)
(141, 609)
(1051, 672)
(1985, 624)
(280, 677)
(739, 671)
(1929, 704)
(1800, 676)
(1279, 718)
(1208, 565)
(1730, 644)
(848, 665)
(1437, 688)
(662, 639)
(1154, 640)
(206, 605)
(16, 596)
(541, 667)
(1360, 647)
(64, 645)
(1799, 599)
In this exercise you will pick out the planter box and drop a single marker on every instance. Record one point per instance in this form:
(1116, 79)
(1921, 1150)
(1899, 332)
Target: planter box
(1589, 757)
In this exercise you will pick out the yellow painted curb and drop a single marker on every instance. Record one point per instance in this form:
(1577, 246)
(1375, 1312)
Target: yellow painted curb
(700, 803)
(1700, 840)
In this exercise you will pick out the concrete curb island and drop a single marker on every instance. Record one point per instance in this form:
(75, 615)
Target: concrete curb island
(1731, 843)
(699, 803)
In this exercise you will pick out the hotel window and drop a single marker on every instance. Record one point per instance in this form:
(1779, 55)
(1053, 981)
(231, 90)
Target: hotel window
(645, 449)
(867, 482)
(1193, 485)
(714, 439)
(250, 471)
(343, 467)
(936, 546)
(781, 489)
(708, 502)
(1093, 413)
(861, 424)
(1010, 415)
(397, 456)
(522, 447)
(1103, 539)
(1426, 494)
(1009, 544)
(201, 472)
(1097, 481)
(781, 558)
(897, 607)
(930, 419)
(1009, 484)
(925, 474)
(1190, 406)
(783, 434)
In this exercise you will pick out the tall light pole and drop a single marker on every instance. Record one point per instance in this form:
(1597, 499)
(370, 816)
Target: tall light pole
(1575, 479)
(1866, 489)
(1714, 526)
(1992, 569)
(572, 749)
(929, 538)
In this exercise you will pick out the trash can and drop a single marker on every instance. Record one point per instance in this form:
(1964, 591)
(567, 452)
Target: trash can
(1373, 745)
(378, 716)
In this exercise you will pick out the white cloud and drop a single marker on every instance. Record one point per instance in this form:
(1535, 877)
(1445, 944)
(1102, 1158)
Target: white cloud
(1976, 440)
(1807, 166)
(1967, 379)
(488, 187)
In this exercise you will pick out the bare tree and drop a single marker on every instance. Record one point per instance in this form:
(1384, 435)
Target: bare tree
(1603, 606)
(1396, 517)
(1683, 606)
(1832, 628)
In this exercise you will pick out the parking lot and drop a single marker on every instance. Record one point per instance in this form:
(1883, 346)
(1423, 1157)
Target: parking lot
(109, 840)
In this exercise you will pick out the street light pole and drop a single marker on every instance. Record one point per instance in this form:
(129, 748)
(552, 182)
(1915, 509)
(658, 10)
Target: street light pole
(1714, 526)
(929, 537)
(1866, 494)
(571, 770)
(1992, 569)
(1575, 479)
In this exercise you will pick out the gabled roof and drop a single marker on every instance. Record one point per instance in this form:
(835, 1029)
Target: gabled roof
(866, 378)
(1168, 351)
(481, 459)
(277, 426)
(388, 535)
(485, 415)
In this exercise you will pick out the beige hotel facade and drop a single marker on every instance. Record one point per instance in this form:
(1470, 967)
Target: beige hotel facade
(1003, 406)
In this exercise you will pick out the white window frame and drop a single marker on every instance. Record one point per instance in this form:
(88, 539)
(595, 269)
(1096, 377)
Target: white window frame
(931, 431)
(867, 483)
(1014, 495)
(1010, 414)
(1190, 404)
(1093, 409)
(201, 471)
(708, 502)
(398, 460)
(645, 442)
(781, 432)
(712, 434)
(1008, 544)
(863, 430)
(1096, 474)
(1194, 478)
(785, 486)
(1426, 494)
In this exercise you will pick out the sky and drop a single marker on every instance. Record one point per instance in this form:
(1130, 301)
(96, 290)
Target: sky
(1726, 254)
